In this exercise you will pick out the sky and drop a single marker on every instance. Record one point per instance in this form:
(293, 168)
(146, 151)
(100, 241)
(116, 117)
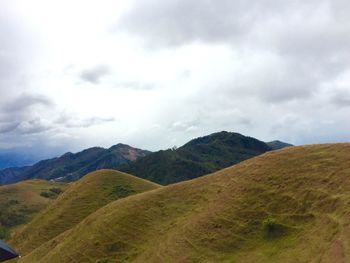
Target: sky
(155, 74)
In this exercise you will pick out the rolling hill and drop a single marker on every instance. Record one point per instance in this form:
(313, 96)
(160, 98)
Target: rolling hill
(196, 158)
(81, 199)
(285, 206)
(70, 167)
(20, 202)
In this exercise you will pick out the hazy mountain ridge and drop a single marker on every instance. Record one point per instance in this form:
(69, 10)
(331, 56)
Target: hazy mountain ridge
(198, 157)
(71, 166)
(13, 159)
(277, 145)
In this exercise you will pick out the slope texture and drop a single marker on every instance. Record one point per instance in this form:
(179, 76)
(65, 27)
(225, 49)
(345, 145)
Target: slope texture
(20, 202)
(80, 199)
(285, 206)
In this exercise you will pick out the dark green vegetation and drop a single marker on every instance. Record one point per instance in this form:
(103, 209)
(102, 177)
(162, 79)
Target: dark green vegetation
(70, 167)
(198, 157)
(277, 145)
(51, 193)
(82, 198)
(20, 202)
(286, 206)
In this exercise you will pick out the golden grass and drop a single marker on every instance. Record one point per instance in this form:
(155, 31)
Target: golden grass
(304, 191)
(81, 199)
(23, 200)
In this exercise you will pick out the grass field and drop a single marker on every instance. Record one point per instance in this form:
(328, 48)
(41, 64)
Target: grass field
(81, 199)
(21, 201)
(286, 206)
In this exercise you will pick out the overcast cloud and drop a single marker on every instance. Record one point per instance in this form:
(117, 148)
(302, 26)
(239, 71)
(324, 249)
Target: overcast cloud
(155, 73)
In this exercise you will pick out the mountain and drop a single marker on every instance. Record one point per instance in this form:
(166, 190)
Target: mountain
(81, 199)
(14, 159)
(20, 202)
(71, 166)
(288, 206)
(9, 175)
(196, 158)
(277, 145)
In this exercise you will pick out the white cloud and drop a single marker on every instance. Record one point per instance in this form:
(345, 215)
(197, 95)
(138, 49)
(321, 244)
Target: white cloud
(156, 73)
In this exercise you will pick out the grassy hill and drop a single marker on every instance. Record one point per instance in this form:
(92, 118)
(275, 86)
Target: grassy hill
(70, 167)
(81, 199)
(196, 158)
(20, 202)
(286, 206)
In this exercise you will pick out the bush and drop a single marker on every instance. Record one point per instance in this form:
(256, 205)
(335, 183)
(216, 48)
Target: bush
(270, 224)
(56, 190)
(52, 193)
(274, 229)
(121, 191)
(48, 194)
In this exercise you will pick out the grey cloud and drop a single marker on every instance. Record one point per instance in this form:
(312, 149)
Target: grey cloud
(309, 39)
(341, 98)
(25, 101)
(95, 74)
(8, 127)
(179, 21)
(34, 126)
(72, 122)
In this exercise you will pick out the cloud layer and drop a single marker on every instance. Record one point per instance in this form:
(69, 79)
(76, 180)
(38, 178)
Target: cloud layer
(155, 73)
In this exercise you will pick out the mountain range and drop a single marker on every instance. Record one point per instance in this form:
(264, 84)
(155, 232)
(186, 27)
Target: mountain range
(198, 157)
(70, 167)
(289, 205)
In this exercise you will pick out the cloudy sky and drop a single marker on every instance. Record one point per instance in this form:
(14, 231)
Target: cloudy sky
(155, 73)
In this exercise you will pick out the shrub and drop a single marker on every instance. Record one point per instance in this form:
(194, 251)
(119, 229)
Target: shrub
(274, 229)
(56, 190)
(270, 224)
(48, 194)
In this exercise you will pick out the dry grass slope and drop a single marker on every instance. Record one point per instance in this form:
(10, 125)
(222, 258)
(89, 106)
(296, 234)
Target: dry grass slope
(21, 201)
(291, 205)
(81, 199)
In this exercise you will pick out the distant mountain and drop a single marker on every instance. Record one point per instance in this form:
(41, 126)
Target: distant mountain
(277, 145)
(16, 159)
(9, 174)
(71, 166)
(198, 157)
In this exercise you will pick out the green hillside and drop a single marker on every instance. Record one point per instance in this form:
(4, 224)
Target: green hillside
(20, 202)
(286, 206)
(196, 158)
(81, 199)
